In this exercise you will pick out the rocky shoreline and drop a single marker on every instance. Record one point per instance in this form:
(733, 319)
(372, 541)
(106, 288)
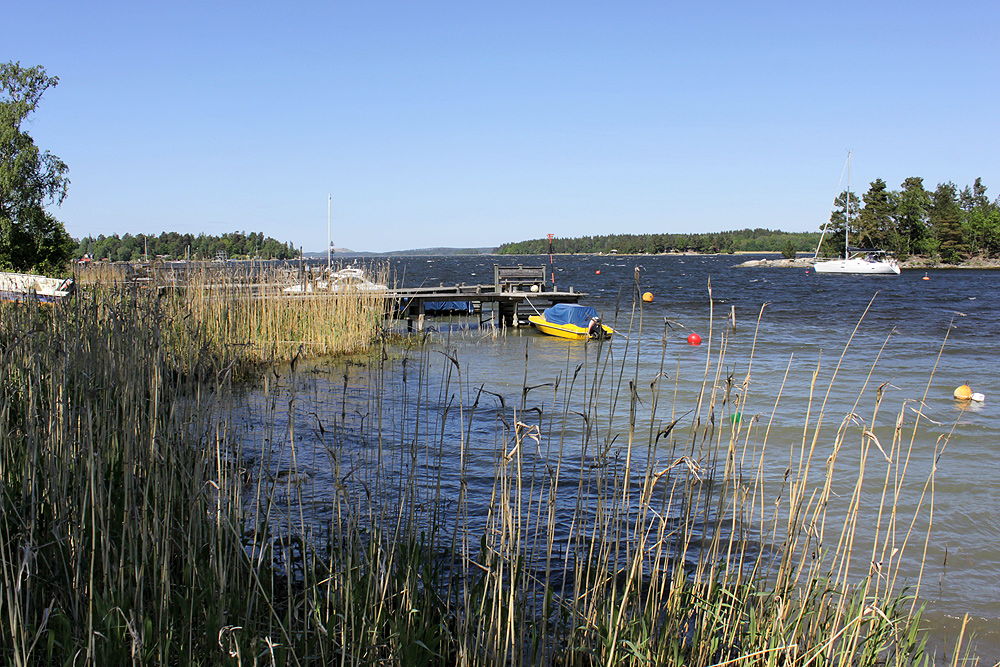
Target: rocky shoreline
(911, 263)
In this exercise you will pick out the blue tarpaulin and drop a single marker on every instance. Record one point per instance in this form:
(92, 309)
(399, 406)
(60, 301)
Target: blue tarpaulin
(570, 313)
(442, 307)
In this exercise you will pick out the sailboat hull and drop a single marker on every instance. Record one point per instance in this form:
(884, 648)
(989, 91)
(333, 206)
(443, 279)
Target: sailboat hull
(858, 265)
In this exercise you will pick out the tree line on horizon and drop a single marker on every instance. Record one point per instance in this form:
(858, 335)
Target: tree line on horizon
(172, 245)
(948, 224)
(742, 240)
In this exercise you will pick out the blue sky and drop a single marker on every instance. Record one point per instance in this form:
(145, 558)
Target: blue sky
(477, 123)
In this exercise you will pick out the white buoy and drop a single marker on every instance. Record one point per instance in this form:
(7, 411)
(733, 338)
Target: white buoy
(978, 398)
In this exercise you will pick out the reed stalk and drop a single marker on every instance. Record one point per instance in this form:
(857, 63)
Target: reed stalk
(394, 509)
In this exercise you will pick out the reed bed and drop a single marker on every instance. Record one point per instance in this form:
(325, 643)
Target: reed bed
(392, 509)
(242, 312)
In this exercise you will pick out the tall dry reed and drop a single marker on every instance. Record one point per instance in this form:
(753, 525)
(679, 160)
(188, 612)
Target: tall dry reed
(153, 513)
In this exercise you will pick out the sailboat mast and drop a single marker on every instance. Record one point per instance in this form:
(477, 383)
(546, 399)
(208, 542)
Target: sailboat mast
(329, 260)
(847, 210)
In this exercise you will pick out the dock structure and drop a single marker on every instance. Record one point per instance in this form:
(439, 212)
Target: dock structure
(516, 292)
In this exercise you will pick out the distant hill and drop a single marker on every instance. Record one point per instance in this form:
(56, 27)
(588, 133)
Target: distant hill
(441, 252)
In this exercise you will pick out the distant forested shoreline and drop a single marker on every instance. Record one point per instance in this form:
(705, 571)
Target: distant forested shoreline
(947, 225)
(172, 245)
(744, 240)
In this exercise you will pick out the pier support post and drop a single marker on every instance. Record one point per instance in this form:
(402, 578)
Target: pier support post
(508, 313)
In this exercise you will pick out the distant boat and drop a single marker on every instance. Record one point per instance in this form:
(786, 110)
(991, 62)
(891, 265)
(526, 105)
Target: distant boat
(571, 320)
(859, 261)
(351, 279)
(25, 286)
(863, 261)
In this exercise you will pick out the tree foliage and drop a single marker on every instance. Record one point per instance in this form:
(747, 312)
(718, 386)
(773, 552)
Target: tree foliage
(31, 239)
(946, 221)
(911, 219)
(172, 245)
(946, 224)
(745, 240)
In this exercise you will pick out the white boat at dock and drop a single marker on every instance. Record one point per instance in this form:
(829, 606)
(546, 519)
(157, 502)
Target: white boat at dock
(26, 286)
(351, 279)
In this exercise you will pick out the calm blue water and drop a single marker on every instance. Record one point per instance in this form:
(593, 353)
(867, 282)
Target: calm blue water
(911, 338)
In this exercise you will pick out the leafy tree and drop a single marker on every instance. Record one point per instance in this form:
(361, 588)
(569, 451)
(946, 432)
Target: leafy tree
(911, 218)
(838, 219)
(980, 220)
(946, 223)
(876, 228)
(30, 238)
(181, 246)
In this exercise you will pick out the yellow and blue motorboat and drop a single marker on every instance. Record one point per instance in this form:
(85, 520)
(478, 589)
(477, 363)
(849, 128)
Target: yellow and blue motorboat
(571, 320)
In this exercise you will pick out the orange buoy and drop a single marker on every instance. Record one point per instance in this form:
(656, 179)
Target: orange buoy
(963, 393)
(694, 339)
(598, 272)
(648, 297)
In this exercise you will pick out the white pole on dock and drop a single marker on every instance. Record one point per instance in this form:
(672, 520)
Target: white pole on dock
(329, 260)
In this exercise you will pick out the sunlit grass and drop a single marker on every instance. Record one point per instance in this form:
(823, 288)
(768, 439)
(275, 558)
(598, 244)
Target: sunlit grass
(149, 518)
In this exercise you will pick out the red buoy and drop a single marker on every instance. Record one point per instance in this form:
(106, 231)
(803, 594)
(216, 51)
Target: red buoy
(694, 339)
(598, 272)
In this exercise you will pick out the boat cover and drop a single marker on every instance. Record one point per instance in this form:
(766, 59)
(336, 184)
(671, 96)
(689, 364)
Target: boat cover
(570, 313)
(448, 307)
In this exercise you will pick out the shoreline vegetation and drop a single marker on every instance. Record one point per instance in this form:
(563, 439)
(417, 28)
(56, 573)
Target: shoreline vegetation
(148, 518)
(948, 223)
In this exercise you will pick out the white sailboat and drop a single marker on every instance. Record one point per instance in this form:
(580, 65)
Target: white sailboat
(855, 260)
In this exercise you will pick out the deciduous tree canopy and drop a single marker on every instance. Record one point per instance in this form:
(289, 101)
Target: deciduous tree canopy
(31, 239)
(184, 246)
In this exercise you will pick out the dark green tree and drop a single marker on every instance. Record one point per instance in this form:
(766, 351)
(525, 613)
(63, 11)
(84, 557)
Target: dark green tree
(30, 238)
(833, 243)
(876, 228)
(946, 223)
(912, 205)
(980, 220)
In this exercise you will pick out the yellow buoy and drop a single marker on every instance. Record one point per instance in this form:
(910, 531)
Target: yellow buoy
(648, 297)
(963, 393)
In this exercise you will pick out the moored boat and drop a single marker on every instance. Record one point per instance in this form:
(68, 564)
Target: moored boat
(571, 320)
(351, 279)
(871, 261)
(26, 286)
(876, 262)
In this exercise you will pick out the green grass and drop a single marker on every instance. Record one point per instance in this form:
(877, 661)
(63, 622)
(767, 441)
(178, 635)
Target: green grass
(623, 527)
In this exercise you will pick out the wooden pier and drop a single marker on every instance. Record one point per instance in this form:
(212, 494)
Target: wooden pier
(516, 293)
